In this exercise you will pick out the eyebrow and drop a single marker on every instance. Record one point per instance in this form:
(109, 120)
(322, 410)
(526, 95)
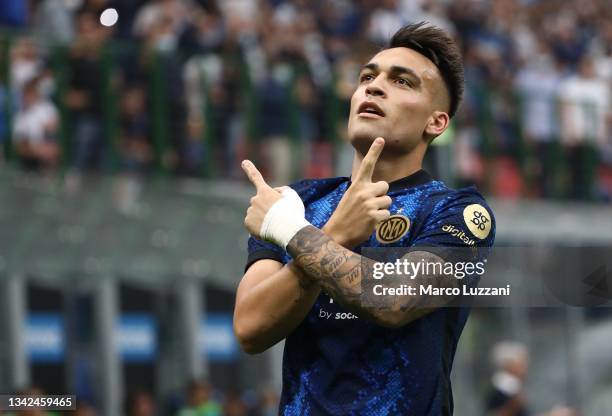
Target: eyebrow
(395, 70)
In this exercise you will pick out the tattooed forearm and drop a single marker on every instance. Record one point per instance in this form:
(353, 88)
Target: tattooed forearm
(337, 270)
(342, 274)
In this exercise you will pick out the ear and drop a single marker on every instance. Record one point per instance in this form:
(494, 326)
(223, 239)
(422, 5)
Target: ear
(436, 124)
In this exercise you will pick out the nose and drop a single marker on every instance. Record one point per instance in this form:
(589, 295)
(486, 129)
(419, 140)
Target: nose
(374, 89)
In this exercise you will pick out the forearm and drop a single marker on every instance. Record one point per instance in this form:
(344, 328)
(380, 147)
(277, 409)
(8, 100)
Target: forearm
(268, 311)
(340, 273)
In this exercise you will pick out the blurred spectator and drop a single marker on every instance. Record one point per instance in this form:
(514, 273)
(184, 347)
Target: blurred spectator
(53, 20)
(511, 362)
(135, 136)
(585, 101)
(310, 123)
(569, 43)
(603, 53)
(432, 11)
(171, 15)
(35, 130)
(26, 63)
(199, 72)
(159, 25)
(139, 403)
(385, 21)
(213, 101)
(273, 96)
(240, 14)
(207, 34)
(85, 93)
(537, 84)
(341, 19)
(200, 401)
(468, 163)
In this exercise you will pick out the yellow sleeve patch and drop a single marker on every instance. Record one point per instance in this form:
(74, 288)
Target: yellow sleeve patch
(478, 220)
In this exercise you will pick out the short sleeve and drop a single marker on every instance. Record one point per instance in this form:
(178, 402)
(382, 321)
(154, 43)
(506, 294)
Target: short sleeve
(259, 249)
(458, 222)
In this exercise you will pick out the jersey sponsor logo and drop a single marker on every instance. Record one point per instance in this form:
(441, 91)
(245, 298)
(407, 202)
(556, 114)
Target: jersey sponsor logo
(478, 220)
(392, 229)
(458, 233)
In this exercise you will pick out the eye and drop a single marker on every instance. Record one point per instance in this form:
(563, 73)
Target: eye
(366, 77)
(403, 82)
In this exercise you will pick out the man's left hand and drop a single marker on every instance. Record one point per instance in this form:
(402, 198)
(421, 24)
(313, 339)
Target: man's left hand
(263, 200)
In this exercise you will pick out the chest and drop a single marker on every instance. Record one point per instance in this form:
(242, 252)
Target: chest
(408, 212)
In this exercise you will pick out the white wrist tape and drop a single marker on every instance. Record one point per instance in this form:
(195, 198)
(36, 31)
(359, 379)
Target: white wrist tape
(284, 219)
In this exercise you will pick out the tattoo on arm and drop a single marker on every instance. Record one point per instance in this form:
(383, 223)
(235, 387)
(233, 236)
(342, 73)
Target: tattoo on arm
(340, 273)
(336, 269)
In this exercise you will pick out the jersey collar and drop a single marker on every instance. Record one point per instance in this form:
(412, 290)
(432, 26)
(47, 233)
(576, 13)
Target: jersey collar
(417, 178)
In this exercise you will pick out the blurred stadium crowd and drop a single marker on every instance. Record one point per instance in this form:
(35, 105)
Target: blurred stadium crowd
(191, 86)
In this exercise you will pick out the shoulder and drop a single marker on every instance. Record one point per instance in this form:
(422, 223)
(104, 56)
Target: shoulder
(458, 198)
(437, 197)
(460, 215)
(468, 204)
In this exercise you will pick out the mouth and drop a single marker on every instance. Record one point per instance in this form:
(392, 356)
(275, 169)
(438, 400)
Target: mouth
(370, 109)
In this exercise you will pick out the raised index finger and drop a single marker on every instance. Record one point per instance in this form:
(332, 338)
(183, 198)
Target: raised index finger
(254, 175)
(366, 170)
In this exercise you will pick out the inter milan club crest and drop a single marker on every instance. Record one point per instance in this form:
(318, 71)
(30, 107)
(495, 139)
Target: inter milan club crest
(392, 229)
(478, 220)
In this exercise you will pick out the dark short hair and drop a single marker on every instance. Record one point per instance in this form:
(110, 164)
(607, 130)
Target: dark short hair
(435, 44)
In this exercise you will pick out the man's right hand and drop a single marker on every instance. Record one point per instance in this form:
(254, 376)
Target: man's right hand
(364, 205)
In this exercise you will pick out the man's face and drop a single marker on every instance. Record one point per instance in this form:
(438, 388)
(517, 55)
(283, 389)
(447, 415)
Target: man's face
(399, 90)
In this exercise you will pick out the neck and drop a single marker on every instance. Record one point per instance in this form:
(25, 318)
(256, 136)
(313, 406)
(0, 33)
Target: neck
(390, 168)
